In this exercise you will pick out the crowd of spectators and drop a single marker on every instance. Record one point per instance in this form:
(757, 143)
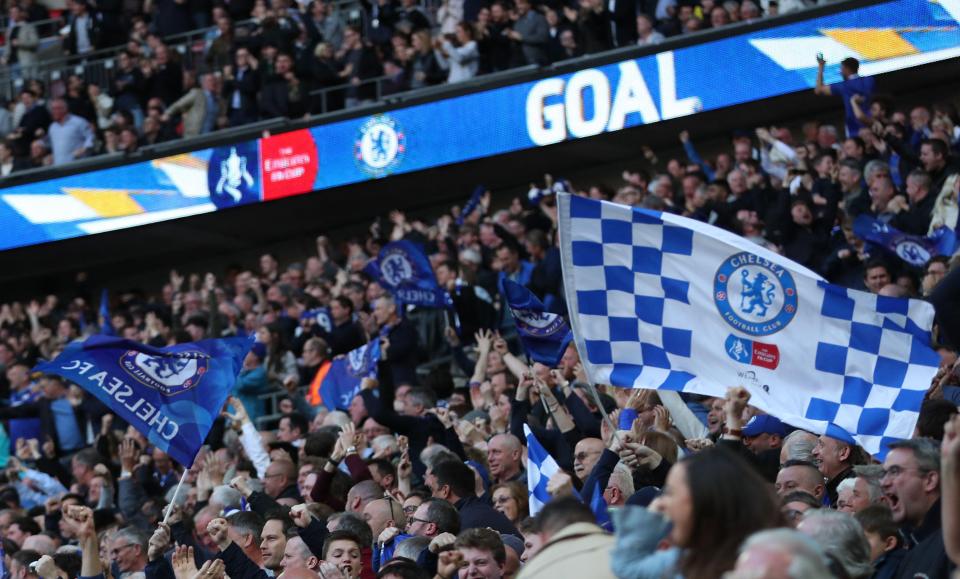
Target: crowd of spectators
(264, 60)
(425, 473)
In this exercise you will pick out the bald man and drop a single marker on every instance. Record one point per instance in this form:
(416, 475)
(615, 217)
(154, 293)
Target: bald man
(797, 475)
(504, 458)
(280, 481)
(383, 513)
(296, 555)
(585, 457)
(361, 494)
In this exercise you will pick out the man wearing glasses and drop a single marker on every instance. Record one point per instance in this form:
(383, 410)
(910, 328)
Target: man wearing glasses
(911, 483)
(128, 549)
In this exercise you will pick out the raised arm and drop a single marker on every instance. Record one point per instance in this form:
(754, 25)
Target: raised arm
(950, 491)
(821, 89)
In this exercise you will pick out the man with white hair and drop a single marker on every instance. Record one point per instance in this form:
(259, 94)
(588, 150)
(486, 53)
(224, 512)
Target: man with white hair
(798, 445)
(780, 554)
(842, 537)
(619, 486)
(856, 494)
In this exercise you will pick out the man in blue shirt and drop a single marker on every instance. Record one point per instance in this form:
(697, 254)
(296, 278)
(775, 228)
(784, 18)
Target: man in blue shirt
(852, 84)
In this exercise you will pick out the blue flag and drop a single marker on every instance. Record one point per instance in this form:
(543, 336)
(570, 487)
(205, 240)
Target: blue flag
(342, 381)
(915, 250)
(321, 316)
(172, 395)
(404, 270)
(472, 204)
(106, 326)
(544, 335)
(600, 510)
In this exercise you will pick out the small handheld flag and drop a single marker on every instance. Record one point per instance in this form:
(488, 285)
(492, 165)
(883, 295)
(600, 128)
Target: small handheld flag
(341, 380)
(540, 467)
(171, 395)
(404, 270)
(472, 204)
(545, 335)
(915, 250)
(106, 324)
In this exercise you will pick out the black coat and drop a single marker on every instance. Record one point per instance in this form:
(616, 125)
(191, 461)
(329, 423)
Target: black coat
(93, 32)
(248, 83)
(927, 556)
(475, 513)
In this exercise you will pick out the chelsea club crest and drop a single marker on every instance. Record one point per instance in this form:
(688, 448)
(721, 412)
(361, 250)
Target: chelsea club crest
(170, 374)
(538, 324)
(754, 295)
(396, 267)
(380, 146)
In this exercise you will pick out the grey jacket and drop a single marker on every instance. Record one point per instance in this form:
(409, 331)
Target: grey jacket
(27, 42)
(535, 33)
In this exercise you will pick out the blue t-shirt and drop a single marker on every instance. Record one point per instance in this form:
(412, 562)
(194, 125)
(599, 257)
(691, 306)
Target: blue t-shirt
(845, 89)
(66, 422)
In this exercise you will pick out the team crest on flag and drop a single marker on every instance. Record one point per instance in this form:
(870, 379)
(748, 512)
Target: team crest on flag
(755, 295)
(171, 374)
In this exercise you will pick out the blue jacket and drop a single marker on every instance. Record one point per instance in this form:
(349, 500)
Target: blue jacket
(250, 384)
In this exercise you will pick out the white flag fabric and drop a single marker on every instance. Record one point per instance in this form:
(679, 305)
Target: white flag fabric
(661, 301)
(540, 467)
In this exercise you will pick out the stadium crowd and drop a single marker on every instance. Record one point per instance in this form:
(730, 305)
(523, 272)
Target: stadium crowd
(265, 60)
(424, 473)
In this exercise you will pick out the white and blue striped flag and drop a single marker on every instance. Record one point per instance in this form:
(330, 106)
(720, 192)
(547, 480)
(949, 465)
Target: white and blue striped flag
(540, 467)
(665, 302)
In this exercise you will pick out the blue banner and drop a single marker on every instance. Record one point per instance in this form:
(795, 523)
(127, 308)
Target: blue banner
(404, 270)
(171, 395)
(915, 250)
(342, 381)
(545, 335)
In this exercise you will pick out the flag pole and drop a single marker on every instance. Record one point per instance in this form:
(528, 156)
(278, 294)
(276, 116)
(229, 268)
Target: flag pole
(603, 411)
(176, 492)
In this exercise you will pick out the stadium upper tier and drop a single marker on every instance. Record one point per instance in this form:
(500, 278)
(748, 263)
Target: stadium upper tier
(162, 81)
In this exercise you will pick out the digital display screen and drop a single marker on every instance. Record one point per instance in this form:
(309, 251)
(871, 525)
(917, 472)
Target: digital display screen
(708, 76)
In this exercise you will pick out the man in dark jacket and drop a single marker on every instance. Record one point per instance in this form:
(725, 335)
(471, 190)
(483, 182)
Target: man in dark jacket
(240, 87)
(84, 34)
(283, 95)
(453, 481)
(398, 342)
(911, 483)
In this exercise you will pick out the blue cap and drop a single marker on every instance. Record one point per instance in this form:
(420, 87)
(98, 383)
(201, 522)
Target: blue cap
(764, 424)
(514, 542)
(259, 349)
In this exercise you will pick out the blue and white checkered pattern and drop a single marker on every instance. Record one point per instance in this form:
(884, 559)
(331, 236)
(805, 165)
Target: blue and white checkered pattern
(883, 362)
(641, 287)
(540, 467)
(623, 276)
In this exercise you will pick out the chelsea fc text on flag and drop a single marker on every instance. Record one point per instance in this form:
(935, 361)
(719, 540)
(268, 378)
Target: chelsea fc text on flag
(172, 395)
(662, 301)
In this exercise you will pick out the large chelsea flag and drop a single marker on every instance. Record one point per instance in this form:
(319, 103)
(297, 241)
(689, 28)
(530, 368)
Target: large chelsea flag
(665, 302)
